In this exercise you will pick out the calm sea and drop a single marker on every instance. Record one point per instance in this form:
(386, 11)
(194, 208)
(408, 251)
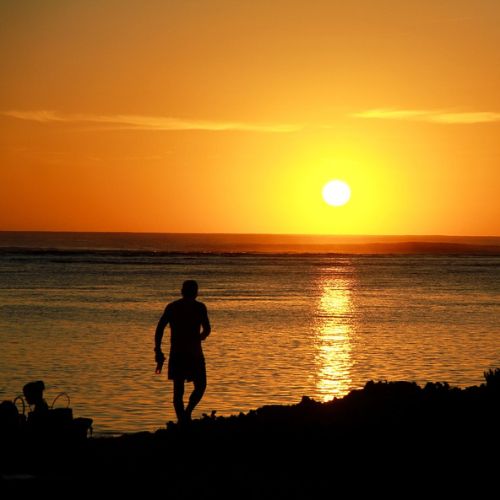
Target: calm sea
(291, 317)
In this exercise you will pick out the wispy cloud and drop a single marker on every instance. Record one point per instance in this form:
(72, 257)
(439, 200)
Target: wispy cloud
(139, 122)
(431, 116)
(470, 117)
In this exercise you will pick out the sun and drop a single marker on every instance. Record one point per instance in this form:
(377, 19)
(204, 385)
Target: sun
(336, 193)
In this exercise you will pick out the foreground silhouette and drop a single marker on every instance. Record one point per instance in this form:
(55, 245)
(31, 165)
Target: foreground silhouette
(189, 326)
(43, 428)
(433, 439)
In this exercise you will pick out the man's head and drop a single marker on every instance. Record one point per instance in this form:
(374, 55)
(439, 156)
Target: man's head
(189, 289)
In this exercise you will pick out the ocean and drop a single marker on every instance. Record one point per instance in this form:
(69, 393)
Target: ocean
(292, 316)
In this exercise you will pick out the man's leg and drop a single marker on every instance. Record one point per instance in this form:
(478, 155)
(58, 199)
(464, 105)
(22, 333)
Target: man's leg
(179, 398)
(200, 384)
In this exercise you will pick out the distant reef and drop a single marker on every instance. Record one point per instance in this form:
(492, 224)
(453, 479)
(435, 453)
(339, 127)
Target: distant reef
(157, 244)
(431, 439)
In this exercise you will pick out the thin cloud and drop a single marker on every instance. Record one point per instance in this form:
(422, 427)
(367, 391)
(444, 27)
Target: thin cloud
(429, 116)
(477, 117)
(139, 122)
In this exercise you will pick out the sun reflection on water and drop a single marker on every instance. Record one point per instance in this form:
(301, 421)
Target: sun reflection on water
(334, 337)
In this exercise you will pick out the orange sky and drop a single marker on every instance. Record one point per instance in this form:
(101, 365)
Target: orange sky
(230, 116)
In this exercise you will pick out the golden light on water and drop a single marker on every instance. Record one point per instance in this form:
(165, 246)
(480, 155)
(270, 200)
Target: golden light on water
(334, 338)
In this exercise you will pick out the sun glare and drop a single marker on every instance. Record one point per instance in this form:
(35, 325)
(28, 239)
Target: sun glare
(336, 193)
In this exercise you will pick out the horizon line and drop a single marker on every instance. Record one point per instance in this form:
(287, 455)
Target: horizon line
(342, 235)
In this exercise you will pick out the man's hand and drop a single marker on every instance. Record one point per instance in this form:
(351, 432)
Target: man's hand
(159, 359)
(159, 356)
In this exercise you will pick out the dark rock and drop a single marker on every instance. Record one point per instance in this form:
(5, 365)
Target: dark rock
(385, 432)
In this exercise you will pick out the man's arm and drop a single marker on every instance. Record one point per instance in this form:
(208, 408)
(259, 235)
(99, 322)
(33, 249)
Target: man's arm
(205, 324)
(160, 328)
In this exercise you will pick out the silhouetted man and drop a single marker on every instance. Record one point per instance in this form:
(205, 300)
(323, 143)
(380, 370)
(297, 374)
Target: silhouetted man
(189, 325)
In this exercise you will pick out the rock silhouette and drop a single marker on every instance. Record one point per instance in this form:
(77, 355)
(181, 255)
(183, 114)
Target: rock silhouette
(383, 432)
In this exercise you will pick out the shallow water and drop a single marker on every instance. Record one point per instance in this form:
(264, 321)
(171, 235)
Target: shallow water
(284, 326)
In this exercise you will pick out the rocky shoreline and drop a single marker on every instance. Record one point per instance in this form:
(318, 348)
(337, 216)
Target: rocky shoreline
(422, 435)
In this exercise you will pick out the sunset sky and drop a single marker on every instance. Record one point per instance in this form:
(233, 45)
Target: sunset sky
(231, 116)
